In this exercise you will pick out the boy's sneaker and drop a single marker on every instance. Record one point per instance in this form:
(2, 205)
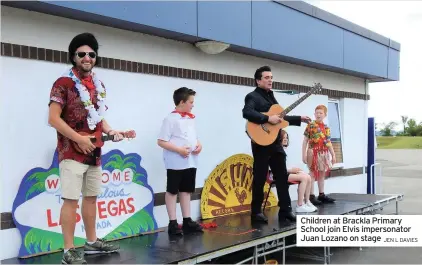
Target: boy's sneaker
(100, 246)
(174, 229)
(190, 226)
(72, 256)
(325, 199)
(314, 200)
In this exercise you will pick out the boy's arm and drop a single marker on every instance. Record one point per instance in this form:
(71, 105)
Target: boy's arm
(168, 146)
(164, 139)
(333, 155)
(198, 147)
(330, 145)
(183, 151)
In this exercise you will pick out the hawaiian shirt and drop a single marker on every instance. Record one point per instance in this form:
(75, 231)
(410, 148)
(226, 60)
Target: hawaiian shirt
(318, 134)
(75, 115)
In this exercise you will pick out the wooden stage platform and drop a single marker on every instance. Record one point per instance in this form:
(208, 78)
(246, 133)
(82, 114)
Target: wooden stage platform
(233, 233)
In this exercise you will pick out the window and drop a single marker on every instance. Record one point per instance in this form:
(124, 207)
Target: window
(334, 122)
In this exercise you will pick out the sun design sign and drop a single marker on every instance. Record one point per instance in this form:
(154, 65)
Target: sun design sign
(228, 189)
(125, 207)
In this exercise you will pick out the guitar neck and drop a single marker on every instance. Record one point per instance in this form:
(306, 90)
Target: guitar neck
(105, 138)
(297, 102)
(126, 135)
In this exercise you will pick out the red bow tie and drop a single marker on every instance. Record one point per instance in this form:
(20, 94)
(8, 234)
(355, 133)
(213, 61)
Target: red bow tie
(184, 114)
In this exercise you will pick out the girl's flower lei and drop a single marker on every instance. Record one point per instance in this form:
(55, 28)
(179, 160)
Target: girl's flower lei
(94, 116)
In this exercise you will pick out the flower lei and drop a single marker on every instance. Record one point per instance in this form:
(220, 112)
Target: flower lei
(94, 116)
(318, 133)
(319, 136)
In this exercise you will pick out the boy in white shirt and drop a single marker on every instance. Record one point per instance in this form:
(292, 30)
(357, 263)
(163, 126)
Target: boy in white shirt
(180, 152)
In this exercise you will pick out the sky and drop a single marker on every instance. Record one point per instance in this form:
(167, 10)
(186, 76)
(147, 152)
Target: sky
(400, 21)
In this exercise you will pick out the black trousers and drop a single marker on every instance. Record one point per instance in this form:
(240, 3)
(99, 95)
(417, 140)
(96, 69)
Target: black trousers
(265, 157)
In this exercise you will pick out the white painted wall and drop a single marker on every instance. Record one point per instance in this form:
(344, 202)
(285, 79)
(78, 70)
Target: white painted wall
(140, 102)
(355, 132)
(36, 29)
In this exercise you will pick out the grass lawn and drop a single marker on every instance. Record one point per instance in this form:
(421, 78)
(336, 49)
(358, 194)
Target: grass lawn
(400, 142)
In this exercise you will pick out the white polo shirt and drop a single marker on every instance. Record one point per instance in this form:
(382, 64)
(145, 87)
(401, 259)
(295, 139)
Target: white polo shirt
(179, 131)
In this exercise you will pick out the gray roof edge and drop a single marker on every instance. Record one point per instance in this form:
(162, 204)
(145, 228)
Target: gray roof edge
(323, 15)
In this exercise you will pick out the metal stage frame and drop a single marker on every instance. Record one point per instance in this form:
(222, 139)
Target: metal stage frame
(373, 204)
(234, 233)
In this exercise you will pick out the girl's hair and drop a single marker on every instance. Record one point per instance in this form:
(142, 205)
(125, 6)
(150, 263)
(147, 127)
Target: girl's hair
(283, 132)
(322, 107)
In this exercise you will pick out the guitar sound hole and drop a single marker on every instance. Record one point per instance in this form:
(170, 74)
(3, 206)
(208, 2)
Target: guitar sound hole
(93, 140)
(265, 128)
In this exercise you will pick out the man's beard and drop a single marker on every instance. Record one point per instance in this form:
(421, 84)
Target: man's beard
(86, 69)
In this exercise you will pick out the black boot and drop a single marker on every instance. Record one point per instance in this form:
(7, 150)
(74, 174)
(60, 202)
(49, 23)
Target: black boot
(260, 217)
(190, 226)
(173, 228)
(289, 215)
(325, 199)
(314, 200)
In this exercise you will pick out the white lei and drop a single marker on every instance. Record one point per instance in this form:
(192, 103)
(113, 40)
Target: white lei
(94, 116)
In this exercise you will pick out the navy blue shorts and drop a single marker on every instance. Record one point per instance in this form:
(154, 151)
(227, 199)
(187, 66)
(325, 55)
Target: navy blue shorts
(182, 180)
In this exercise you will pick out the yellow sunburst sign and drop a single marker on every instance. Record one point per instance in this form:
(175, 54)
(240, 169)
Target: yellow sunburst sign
(228, 189)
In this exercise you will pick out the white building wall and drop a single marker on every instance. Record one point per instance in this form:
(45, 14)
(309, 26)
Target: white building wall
(141, 101)
(355, 133)
(36, 29)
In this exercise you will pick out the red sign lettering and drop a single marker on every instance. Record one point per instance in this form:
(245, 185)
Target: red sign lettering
(107, 178)
(116, 176)
(52, 183)
(127, 175)
(50, 222)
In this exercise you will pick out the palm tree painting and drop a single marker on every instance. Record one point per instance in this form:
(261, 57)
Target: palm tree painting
(38, 241)
(117, 162)
(143, 220)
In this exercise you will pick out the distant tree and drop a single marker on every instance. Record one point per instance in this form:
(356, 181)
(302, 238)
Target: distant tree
(386, 131)
(400, 134)
(412, 127)
(419, 129)
(404, 121)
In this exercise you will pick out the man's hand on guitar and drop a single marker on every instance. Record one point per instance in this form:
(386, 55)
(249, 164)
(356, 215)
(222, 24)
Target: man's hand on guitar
(274, 119)
(118, 136)
(85, 144)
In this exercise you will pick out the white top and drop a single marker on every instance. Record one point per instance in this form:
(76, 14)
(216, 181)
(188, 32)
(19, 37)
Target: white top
(179, 131)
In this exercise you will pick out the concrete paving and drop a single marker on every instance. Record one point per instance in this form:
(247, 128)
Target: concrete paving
(401, 174)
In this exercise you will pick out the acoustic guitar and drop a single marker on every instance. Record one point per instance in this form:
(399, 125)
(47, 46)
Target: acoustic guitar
(98, 139)
(265, 134)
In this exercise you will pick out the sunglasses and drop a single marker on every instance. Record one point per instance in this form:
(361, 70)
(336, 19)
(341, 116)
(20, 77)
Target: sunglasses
(81, 55)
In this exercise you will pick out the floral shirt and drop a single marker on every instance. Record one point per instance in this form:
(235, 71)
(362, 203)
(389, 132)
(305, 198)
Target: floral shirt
(75, 115)
(318, 134)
